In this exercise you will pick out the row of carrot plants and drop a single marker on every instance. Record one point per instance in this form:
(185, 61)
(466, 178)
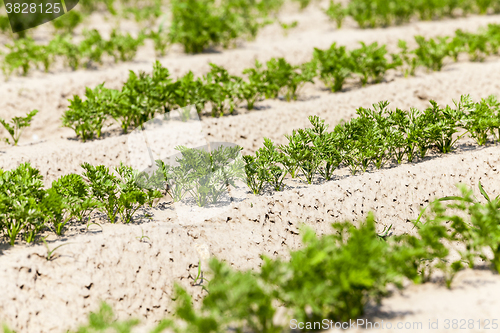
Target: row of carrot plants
(200, 24)
(144, 12)
(141, 10)
(28, 209)
(329, 281)
(377, 137)
(25, 54)
(196, 24)
(375, 13)
(365, 13)
(219, 92)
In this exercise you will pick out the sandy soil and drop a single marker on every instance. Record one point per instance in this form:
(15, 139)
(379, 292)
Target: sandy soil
(136, 277)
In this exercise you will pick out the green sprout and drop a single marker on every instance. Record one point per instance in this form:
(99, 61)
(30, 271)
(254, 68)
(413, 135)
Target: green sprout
(16, 126)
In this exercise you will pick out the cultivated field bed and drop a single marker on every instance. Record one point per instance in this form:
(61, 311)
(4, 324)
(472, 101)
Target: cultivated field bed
(56, 157)
(49, 93)
(136, 275)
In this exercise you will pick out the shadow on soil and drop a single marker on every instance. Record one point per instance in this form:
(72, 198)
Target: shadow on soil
(375, 314)
(3, 247)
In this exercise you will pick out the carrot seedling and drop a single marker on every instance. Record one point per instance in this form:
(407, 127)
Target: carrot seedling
(142, 237)
(92, 223)
(15, 128)
(50, 252)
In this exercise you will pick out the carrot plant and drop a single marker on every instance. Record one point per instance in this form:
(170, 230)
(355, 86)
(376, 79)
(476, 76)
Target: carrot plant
(187, 91)
(256, 173)
(220, 89)
(24, 54)
(154, 180)
(93, 47)
(494, 104)
(54, 210)
(62, 46)
(202, 24)
(370, 62)
(407, 133)
(144, 13)
(132, 196)
(123, 47)
(104, 320)
(474, 224)
(330, 156)
(336, 13)
(87, 118)
(27, 209)
(204, 173)
(20, 202)
(429, 124)
(253, 89)
(17, 125)
(354, 144)
(249, 297)
(383, 135)
(430, 53)
(88, 6)
(141, 97)
(303, 153)
(76, 196)
(408, 60)
(271, 159)
(104, 188)
(280, 75)
(199, 24)
(68, 22)
(479, 119)
(4, 23)
(325, 153)
(160, 40)
(326, 263)
(335, 66)
(172, 179)
(333, 262)
(211, 172)
(475, 45)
